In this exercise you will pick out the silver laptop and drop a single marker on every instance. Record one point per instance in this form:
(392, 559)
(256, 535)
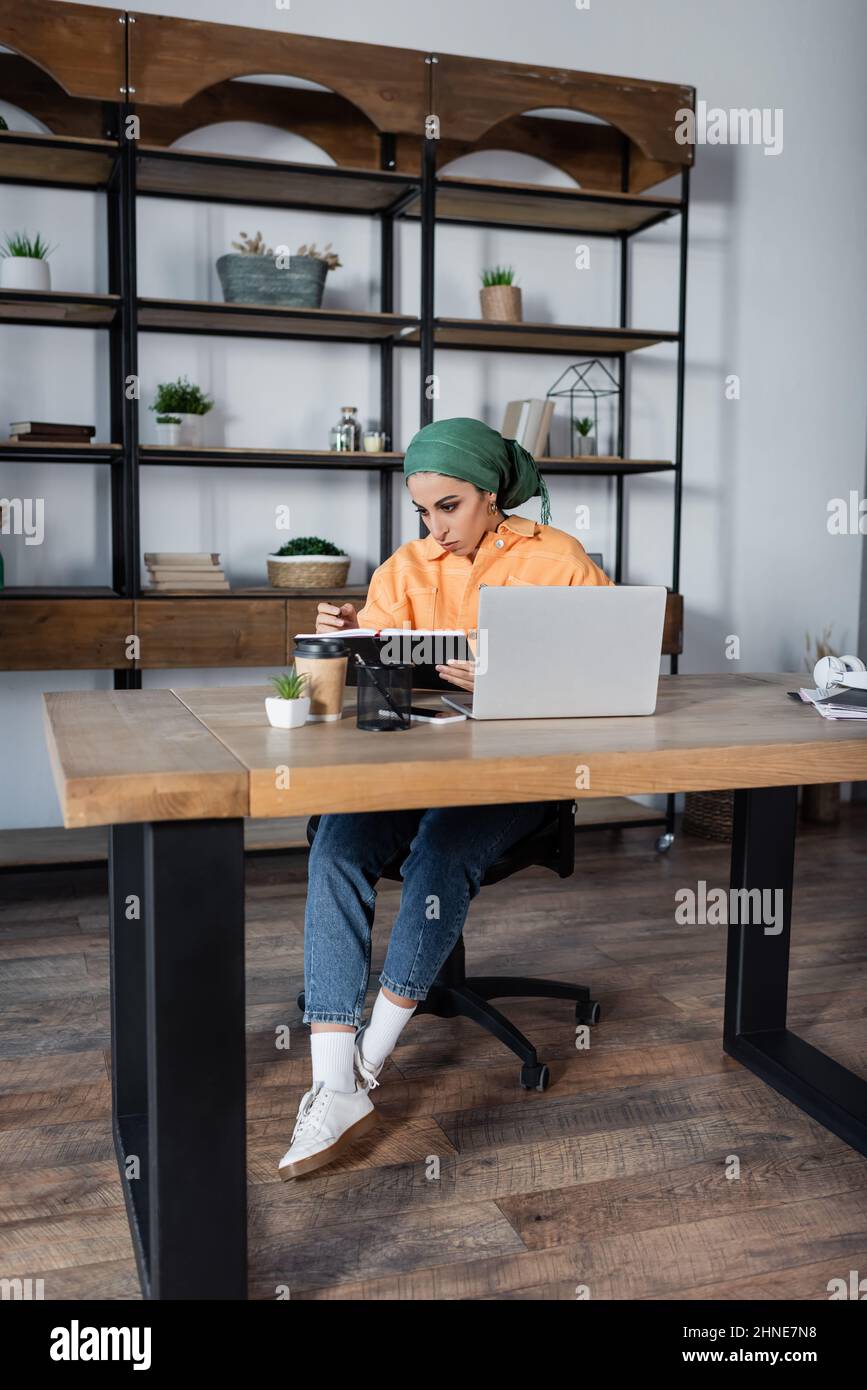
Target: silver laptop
(561, 652)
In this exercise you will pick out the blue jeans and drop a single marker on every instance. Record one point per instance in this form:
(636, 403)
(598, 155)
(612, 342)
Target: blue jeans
(447, 852)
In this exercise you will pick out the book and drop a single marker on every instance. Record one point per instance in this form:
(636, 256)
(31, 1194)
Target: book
(51, 428)
(528, 422)
(422, 648)
(181, 557)
(167, 587)
(205, 580)
(847, 703)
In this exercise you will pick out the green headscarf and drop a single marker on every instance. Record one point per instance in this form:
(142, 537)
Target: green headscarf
(470, 449)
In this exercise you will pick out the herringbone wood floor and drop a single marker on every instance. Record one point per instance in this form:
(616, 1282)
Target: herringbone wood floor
(615, 1178)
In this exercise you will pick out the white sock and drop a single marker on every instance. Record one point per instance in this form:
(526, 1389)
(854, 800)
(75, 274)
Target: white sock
(332, 1052)
(387, 1022)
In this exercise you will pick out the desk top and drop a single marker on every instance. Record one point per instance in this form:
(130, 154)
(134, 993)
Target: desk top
(165, 755)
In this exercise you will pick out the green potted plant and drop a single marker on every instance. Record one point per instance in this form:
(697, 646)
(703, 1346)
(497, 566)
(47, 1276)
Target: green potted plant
(179, 407)
(256, 274)
(290, 706)
(500, 297)
(308, 563)
(586, 442)
(24, 263)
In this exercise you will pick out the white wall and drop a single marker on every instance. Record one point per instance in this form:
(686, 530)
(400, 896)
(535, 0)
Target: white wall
(777, 294)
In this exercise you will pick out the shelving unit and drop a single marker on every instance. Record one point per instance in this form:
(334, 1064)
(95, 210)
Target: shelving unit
(78, 69)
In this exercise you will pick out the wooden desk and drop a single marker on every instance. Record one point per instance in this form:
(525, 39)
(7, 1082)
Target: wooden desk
(174, 773)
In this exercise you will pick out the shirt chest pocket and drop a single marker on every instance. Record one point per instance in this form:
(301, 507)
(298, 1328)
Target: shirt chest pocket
(513, 579)
(418, 607)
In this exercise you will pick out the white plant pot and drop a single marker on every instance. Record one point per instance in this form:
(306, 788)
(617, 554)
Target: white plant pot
(287, 714)
(24, 273)
(168, 434)
(586, 445)
(190, 429)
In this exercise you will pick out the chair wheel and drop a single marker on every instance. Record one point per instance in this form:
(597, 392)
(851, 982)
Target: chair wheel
(664, 843)
(589, 1012)
(300, 1001)
(535, 1077)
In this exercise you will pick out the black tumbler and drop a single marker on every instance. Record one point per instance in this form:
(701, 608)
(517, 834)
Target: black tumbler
(384, 697)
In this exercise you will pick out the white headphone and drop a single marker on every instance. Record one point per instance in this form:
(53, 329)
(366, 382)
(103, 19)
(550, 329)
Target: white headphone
(833, 671)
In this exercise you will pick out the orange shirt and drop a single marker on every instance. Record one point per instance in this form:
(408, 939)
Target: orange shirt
(423, 586)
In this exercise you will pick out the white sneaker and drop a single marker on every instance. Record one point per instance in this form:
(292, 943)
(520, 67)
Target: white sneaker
(366, 1072)
(328, 1122)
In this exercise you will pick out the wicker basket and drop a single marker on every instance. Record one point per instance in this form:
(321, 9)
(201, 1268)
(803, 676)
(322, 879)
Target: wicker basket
(308, 571)
(708, 814)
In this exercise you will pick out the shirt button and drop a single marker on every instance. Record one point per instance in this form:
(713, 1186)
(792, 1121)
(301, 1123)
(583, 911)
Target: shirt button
(498, 544)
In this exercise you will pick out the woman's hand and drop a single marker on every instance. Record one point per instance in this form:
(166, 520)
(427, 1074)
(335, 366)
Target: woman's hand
(331, 618)
(459, 673)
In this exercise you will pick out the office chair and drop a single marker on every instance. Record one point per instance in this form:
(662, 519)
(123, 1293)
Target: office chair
(454, 994)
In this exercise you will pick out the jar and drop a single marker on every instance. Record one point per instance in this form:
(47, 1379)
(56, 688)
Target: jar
(346, 434)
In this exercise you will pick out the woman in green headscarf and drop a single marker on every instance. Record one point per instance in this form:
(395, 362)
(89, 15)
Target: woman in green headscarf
(462, 476)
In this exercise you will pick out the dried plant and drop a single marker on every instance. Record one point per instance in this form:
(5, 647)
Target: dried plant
(253, 246)
(331, 258)
(823, 648)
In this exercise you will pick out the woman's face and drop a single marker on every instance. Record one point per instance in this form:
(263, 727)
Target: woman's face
(454, 511)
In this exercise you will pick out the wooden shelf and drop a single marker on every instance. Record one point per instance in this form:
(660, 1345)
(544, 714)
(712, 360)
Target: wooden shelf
(58, 309)
(267, 458)
(603, 465)
(221, 178)
(55, 160)
(492, 336)
(264, 321)
(57, 591)
(259, 591)
(64, 451)
(529, 206)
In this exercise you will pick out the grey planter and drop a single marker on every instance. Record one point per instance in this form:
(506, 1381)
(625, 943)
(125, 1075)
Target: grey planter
(258, 280)
(585, 445)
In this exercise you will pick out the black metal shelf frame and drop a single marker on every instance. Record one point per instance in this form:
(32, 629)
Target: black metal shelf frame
(415, 200)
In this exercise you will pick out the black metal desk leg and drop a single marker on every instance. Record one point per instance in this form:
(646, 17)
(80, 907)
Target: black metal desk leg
(757, 972)
(179, 1063)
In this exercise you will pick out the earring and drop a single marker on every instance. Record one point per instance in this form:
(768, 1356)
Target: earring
(493, 506)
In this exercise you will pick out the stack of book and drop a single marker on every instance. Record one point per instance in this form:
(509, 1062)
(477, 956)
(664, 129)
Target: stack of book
(50, 432)
(529, 422)
(185, 572)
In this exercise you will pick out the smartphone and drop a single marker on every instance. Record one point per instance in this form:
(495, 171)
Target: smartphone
(420, 715)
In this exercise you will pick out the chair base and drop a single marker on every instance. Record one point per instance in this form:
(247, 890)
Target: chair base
(456, 995)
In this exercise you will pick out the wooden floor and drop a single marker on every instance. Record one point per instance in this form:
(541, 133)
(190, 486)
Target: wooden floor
(615, 1178)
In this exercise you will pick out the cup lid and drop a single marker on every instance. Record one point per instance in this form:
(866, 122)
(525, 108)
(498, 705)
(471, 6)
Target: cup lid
(320, 646)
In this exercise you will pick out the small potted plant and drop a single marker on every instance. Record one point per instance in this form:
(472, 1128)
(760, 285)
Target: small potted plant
(500, 297)
(168, 429)
(179, 407)
(290, 706)
(24, 263)
(255, 274)
(586, 442)
(308, 563)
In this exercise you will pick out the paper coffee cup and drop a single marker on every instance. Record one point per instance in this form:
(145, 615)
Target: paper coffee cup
(324, 661)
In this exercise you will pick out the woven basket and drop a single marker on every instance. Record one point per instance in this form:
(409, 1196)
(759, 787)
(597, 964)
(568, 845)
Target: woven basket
(308, 571)
(709, 814)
